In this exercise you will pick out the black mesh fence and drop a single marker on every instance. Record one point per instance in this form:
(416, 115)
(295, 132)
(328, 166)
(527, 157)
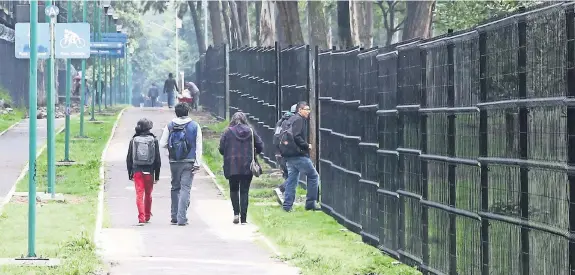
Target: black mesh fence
(13, 74)
(453, 154)
(214, 81)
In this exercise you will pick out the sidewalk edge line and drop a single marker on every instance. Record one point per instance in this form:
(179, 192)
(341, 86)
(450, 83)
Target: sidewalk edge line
(265, 240)
(100, 209)
(8, 197)
(11, 126)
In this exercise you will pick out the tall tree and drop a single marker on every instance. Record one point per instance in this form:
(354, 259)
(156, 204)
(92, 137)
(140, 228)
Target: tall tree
(258, 17)
(418, 19)
(183, 8)
(318, 29)
(216, 22)
(362, 23)
(244, 23)
(267, 24)
(343, 25)
(291, 27)
(390, 10)
(227, 23)
(235, 28)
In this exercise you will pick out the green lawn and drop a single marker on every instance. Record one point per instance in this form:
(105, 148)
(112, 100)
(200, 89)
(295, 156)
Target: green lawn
(8, 120)
(312, 241)
(64, 230)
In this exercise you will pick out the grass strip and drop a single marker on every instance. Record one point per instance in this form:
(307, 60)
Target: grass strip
(9, 119)
(312, 241)
(63, 230)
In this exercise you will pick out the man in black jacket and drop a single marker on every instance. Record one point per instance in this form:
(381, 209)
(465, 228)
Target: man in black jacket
(169, 86)
(300, 162)
(153, 94)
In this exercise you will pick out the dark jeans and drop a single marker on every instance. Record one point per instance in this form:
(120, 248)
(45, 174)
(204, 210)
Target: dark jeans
(304, 165)
(239, 194)
(282, 164)
(154, 100)
(170, 99)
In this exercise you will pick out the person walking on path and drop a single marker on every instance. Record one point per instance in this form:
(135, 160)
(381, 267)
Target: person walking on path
(153, 94)
(239, 145)
(298, 160)
(169, 86)
(183, 139)
(195, 93)
(144, 163)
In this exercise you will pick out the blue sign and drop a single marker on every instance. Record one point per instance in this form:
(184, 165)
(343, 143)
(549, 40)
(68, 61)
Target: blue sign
(119, 53)
(72, 40)
(22, 40)
(112, 37)
(106, 45)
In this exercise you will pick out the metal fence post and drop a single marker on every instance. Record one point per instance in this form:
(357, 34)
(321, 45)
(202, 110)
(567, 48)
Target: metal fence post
(227, 81)
(484, 236)
(523, 136)
(277, 49)
(570, 25)
(424, 176)
(451, 153)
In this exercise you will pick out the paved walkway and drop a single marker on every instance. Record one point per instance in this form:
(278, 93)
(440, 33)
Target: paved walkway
(14, 151)
(210, 244)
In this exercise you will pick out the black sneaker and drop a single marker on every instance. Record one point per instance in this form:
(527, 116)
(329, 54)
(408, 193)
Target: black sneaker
(313, 208)
(183, 224)
(279, 196)
(174, 222)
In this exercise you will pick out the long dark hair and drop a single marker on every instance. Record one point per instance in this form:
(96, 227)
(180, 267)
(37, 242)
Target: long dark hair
(239, 118)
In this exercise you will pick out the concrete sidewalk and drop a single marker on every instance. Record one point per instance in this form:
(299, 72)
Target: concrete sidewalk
(14, 151)
(210, 244)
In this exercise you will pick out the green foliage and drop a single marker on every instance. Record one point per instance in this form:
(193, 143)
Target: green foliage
(459, 15)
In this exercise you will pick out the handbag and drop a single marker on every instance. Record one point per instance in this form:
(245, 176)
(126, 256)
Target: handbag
(254, 166)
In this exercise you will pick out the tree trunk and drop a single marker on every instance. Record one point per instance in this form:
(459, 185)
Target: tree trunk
(236, 31)
(343, 25)
(258, 18)
(362, 23)
(418, 19)
(289, 18)
(318, 31)
(197, 27)
(244, 23)
(267, 24)
(216, 22)
(225, 15)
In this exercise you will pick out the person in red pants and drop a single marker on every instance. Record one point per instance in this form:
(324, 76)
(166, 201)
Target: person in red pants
(144, 163)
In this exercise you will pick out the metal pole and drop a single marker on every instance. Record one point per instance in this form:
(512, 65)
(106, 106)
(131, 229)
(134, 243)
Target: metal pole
(105, 59)
(99, 64)
(125, 90)
(33, 105)
(51, 114)
(177, 51)
(83, 79)
(130, 88)
(95, 65)
(68, 93)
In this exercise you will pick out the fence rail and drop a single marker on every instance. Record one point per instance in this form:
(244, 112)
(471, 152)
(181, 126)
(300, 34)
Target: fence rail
(454, 154)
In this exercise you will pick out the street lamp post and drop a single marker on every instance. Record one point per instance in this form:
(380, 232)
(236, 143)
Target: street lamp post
(68, 93)
(50, 102)
(83, 77)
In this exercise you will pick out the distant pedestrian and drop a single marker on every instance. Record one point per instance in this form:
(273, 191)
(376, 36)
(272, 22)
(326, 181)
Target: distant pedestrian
(195, 93)
(169, 86)
(279, 191)
(295, 150)
(144, 163)
(183, 139)
(153, 94)
(239, 144)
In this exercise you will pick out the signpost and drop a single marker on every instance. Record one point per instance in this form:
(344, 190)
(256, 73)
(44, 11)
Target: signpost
(38, 40)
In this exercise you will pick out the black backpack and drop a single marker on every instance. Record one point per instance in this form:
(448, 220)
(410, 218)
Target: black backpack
(286, 144)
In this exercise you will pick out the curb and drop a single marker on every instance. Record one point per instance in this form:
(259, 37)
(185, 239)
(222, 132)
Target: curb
(265, 240)
(8, 197)
(100, 209)
(11, 126)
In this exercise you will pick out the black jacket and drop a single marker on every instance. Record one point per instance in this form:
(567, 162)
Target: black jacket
(154, 168)
(153, 92)
(170, 85)
(299, 131)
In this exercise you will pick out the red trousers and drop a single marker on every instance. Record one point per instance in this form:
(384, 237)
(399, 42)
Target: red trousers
(144, 184)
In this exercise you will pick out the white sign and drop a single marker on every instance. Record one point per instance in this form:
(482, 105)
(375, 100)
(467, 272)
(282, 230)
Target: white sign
(52, 11)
